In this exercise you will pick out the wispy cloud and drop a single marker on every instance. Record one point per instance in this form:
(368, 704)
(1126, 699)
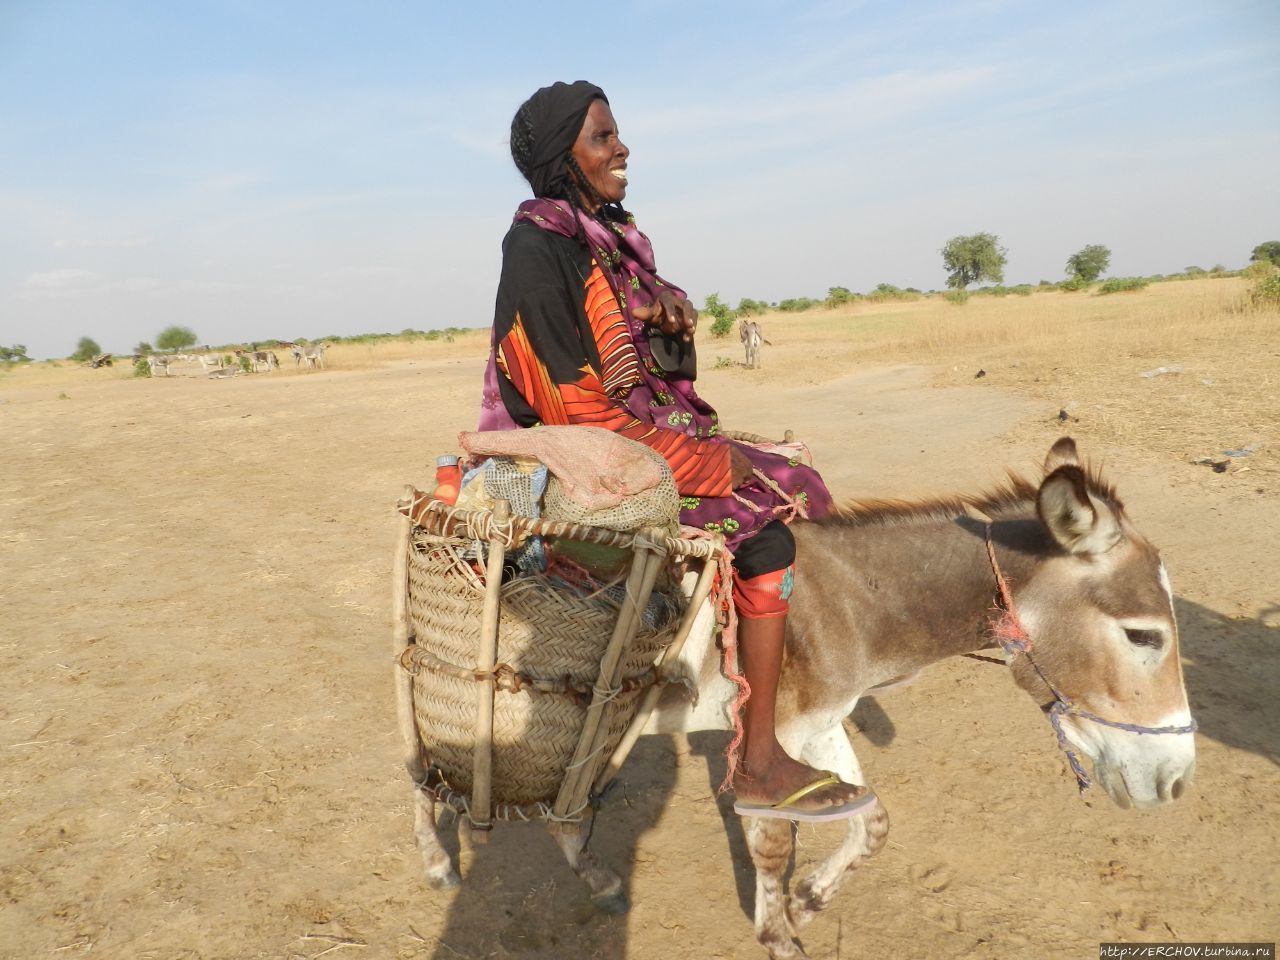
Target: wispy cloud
(75, 282)
(65, 279)
(133, 242)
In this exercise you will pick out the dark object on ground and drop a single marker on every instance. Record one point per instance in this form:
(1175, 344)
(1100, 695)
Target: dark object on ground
(980, 374)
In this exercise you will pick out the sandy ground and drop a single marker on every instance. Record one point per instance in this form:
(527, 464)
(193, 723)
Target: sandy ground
(199, 747)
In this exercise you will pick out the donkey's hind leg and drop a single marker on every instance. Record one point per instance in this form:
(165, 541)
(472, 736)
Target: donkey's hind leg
(436, 861)
(868, 831)
(605, 885)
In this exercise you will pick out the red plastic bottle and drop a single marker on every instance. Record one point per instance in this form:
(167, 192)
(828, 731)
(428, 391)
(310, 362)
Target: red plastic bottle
(448, 479)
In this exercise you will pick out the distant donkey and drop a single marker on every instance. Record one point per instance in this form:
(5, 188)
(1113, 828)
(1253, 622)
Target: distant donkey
(751, 337)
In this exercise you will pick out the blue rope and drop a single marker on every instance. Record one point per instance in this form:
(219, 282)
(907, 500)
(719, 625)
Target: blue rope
(1062, 706)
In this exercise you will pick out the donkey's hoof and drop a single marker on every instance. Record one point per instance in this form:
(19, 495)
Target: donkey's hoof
(445, 881)
(785, 948)
(615, 903)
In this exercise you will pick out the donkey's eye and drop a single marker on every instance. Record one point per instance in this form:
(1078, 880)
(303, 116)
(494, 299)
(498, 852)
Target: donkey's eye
(1145, 638)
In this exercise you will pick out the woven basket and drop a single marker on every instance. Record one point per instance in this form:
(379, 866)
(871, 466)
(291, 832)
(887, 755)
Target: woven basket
(550, 642)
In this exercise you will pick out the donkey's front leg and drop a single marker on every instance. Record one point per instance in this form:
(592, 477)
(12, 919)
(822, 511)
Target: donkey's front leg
(437, 863)
(605, 885)
(868, 831)
(770, 841)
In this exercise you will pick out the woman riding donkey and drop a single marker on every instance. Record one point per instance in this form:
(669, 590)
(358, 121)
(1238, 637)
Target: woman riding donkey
(586, 332)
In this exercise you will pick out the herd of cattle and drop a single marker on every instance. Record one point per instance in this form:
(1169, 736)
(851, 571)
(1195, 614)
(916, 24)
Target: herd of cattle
(257, 361)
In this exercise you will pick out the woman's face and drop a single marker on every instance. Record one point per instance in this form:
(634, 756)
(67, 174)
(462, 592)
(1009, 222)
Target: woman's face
(601, 155)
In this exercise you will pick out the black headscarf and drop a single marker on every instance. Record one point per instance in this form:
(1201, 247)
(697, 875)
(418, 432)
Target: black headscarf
(544, 131)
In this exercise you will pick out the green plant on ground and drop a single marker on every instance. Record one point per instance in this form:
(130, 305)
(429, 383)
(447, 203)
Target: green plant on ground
(722, 321)
(724, 362)
(1266, 292)
(798, 304)
(1259, 270)
(141, 368)
(958, 297)
(1122, 284)
(838, 296)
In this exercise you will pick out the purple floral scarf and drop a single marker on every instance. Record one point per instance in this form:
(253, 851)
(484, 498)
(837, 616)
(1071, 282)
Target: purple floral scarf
(625, 257)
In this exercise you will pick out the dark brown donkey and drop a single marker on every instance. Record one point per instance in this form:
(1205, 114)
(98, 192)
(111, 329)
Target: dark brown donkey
(884, 590)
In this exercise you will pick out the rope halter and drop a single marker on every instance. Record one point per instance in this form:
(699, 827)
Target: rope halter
(1014, 639)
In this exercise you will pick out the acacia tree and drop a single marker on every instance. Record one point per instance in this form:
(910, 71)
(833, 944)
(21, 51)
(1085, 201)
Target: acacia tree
(973, 258)
(1266, 251)
(86, 349)
(17, 354)
(175, 338)
(1088, 263)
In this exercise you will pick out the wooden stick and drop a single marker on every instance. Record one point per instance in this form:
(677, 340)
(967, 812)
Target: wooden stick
(445, 520)
(668, 658)
(401, 638)
(482, 752)
(645, 565)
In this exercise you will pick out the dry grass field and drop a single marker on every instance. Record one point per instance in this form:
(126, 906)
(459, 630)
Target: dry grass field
(199, 738)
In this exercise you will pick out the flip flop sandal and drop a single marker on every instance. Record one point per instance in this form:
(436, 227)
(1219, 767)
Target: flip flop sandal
(786, 809)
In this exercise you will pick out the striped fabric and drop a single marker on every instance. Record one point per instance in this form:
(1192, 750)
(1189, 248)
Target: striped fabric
(700, 467)
(619, 362)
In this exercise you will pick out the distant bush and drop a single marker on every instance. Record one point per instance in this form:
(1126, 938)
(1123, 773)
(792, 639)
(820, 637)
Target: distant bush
(885, 292)
(723, 316)
(1266, 292)
(15, 354)
(1075, 283)
(86, 349)
(958, 297)
(1269, 251)
(144, 348)
(748, 307)
(1194, 271)
(141, 368)
(839, 296)
(176, 338)
(798, 304)
(1259, 270)
(1122, 284)
(1088, 263)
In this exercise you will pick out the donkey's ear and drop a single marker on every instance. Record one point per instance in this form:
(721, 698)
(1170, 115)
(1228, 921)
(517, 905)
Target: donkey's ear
(1079, 521)
(1062, 452)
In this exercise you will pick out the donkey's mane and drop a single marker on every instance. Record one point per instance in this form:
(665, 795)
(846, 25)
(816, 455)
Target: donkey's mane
(1016, 497)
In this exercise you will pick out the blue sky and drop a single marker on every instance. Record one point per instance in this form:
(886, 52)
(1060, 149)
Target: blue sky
(258, 170)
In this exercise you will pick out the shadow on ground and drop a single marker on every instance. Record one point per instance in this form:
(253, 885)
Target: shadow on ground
(519, 898)
(1232, 670)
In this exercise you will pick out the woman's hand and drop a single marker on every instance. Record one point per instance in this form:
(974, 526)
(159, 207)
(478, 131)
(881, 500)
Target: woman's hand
(740, 469)
(670, 314)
